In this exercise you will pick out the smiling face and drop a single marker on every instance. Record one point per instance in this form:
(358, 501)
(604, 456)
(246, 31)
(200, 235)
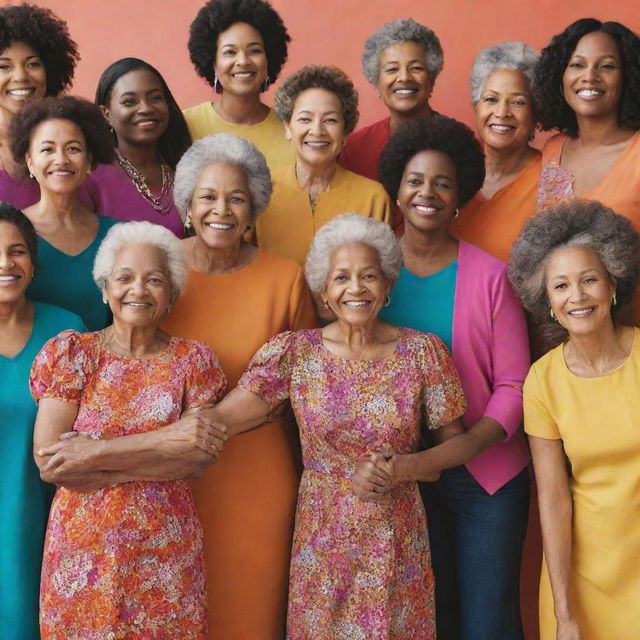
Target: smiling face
(404, 84)
(220, 208)
(16, 265)
(138, 289)
(428, 193)
(137, 108)
(592, 81)
(316, 128)
(579, 289)
(58, 157)
(22, 76)
(241, 60)
(504, 114)
(356, 287)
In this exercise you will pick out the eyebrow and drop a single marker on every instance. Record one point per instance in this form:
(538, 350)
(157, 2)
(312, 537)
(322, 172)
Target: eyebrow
(27, 58)
(67, 142)
(249, 44)
(438, 175)
(326, 113)
(135, 93)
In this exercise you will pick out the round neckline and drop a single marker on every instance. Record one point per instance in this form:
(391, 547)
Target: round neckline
(372, 360)
(102, 347)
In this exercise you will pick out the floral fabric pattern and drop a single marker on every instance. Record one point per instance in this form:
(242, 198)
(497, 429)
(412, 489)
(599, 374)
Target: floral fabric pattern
(359, 570)
(124, 561)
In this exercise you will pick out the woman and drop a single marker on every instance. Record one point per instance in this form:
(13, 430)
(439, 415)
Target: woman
(358, 386)
(150, 135)
(319, 108)
(237, 298)
(574, 266)
(401, 60)
(38, 58)
(24, 499)
(123, 551)
(58, 141)
(505, 121)
(478, 509)
(239, 48)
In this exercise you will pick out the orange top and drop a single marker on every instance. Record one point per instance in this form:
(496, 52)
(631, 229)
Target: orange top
(494, 224)
(246, 501)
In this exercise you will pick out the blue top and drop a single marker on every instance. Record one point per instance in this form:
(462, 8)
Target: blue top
(66, 281)
(24, 498)
(425, 303)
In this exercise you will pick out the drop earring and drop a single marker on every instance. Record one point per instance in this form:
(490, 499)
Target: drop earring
(216, 85)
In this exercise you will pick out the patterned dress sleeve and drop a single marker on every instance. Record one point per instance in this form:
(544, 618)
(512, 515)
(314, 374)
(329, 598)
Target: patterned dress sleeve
(443, 398)
(537, 419)
(205, 381)
(60, 369)
(268, 375)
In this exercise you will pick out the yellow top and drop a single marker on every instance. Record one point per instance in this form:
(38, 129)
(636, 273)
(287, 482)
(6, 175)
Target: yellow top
(598, 421)
(289, 223)
(268, 135)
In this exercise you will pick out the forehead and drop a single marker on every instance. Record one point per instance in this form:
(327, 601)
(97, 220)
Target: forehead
(10, 234)
(18, 49)
(354, 255)
(402, 52)
(140, 257)
(57, 129)
(507, 81)
(596, 43)
(431, 163)
(137, 81)
(222, 175)
(239, 33)
(317, 99)
(568, 260)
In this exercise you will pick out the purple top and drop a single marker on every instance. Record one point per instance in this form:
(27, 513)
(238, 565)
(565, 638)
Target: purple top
(111, 192)
(20, 192)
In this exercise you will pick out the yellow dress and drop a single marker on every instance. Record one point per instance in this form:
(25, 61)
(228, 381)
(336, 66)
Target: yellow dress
(289, 223)
(598, 420)
(268, 135)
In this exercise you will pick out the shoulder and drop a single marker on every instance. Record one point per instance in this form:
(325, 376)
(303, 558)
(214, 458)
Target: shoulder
(470, 253)
(73, 346)
(550, 362)
(368, 131)
(552, 148)
(197, 111)
(420, 343)
(105, 223)
(57, 319)
(360, 183)
(278, 265)
(194, 351)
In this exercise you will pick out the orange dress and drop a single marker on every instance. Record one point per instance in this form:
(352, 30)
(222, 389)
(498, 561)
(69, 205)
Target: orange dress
(246, 502)
(125, 561)
(494, 224)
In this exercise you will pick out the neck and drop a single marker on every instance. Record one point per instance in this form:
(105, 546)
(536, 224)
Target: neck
(243, 110)
(62, 206)
(359, 339)
(315, 178)
(427, 245)
(599, 352)
(397, 118)
(134, 342)
(140, 156)
(500, 163)
(217, 261)
(599, 131)
(14, 312)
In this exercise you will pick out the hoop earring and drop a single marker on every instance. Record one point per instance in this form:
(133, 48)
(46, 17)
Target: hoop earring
(266, 83)
(217, 87)
(387, 300)
(553, 315)
(614, 302)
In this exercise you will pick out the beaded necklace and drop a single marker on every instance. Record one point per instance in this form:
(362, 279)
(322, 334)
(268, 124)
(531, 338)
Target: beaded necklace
(164, 202)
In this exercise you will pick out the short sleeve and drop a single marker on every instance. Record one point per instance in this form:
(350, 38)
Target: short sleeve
(268, 375)
(537, 419)
(442, 396)
(60, 369)
(205, 382)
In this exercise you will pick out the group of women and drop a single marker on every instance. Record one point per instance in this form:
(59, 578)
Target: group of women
(155, 369)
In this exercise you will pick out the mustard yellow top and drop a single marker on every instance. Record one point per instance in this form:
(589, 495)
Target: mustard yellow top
(289, 223)
(268, 135)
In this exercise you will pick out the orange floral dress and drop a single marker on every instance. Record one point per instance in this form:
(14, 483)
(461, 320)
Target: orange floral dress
(125, 561)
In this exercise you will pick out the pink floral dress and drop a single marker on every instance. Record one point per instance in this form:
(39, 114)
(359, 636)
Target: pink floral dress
(125, 561)
(359, 570)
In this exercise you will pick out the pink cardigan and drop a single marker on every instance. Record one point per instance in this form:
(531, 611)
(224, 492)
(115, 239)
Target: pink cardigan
(491, 352)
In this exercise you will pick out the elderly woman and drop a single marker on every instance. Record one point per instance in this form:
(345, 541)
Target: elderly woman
(358, 386)
(319, 108)
(574, 266)
(136, 567)
(478, 509)
(401, 60)
(505, 120)
(24, 499)
(237, 298)
(150, 137)
(38, 59)
(58, 141)
(239, 48)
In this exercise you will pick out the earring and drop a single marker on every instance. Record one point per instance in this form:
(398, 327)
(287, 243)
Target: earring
(187, 223)
(326, 304)
(266, 83)
(553, 315)
(457, 213)
(216, 85)
(89, 171)
(387, 301)
(31, 175)
(398, 202)
(614, 302)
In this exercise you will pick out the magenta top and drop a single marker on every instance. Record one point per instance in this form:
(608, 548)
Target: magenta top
(20, 192)
(110, 191)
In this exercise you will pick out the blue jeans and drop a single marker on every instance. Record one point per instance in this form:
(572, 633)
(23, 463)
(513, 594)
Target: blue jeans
(476, 548)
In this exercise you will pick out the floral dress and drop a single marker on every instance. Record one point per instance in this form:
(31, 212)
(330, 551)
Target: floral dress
(359, 570)
(124, 561)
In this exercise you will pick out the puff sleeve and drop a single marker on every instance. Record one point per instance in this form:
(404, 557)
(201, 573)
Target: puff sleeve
(205, 382)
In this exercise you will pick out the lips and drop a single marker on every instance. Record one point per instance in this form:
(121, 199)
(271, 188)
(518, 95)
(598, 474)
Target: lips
(137, 305)
(147, 122)
(9, 279)
(22, 93)
(501, 128)
(356, 304)
(405, 91)
(590, 93)
(426, 209)
(220, 226)
(316, 144)
(580, 313)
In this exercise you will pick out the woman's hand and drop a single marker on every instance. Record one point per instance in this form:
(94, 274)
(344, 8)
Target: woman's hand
(372, 480)
(73, 454)
(196, 430)
(568, 630)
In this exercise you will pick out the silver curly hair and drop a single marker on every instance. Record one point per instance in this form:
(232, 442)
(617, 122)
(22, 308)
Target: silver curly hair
(128, 234)
(224, 148)
(395, 32)
(507, 55)
(351, 228)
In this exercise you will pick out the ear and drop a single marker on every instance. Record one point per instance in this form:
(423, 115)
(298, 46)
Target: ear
(105, 113)
(27, 159)
(287, 131)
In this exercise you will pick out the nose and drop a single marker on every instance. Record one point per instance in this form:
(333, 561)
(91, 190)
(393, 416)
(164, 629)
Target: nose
(144, 106)
(20, 73)
(577, 293)
(591, 73)
(404, 73)
(503, 109)
(317, 126)
(138, 287)
(354, 285)
(6, 261)
(241, 57)
(426, 190)
(60, 156)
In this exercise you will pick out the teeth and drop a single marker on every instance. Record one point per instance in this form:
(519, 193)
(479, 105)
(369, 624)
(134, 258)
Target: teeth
(356, 303)
(61, 173)
(220, 225)
(8, 278)
(146, 123)
(501, 127)
(243, 74)
(21, 92)
(580, 312)
(425, 209)
(136, 304)
(405, 92)
(589, 92)
(317, 144)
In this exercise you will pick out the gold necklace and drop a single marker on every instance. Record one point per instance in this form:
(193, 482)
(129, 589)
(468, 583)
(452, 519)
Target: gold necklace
(164, 202)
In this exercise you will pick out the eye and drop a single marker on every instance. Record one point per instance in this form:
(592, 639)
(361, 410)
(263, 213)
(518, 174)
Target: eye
(559, 285)
(443, 185)
(608, 66)
(34, 64)
(391, 70)
(490, 99)
(4, 66)
(340, 278)
(155, 280)
(417, 68)
(256, 51)
(18, 252)
(128, 102)
(157, 98)
(331, 120)
(370, 276)
(46, 149)
(304, 119)
(574, 65)
(75, 149)
(590, 279)
(414, 182)
(205, 196)
(229, 52)
(123, 278)
(520, 103)
(238, 200)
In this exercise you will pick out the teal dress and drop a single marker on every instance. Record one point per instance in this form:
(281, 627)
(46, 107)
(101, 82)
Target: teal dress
(66, 281)
(24, 498)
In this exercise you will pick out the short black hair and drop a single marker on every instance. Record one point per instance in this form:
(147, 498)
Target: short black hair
(86, 115)
(46, 34)
(218, 15)
(8, 213)
(552, 110)
(436, 133)
(176, 139)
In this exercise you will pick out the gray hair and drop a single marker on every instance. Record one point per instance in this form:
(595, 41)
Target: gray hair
(128, 234)
(350, 228)
(584, 223)
(507, 55)
(223, 148)
(396, 32)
